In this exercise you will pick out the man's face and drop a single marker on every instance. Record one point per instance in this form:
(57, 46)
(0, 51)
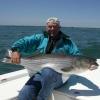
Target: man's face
(52, 29)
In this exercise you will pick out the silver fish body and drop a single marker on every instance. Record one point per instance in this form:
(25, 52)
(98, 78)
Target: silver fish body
(61, 63)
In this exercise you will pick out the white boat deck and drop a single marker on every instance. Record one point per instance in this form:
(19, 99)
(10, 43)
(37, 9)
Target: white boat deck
(84, 86)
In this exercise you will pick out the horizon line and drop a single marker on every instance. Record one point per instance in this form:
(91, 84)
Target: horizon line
(44, 26)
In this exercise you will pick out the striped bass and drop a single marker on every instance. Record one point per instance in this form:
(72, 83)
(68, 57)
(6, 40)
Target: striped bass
(61, 63)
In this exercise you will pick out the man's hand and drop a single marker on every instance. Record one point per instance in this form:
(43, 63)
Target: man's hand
(15, 57)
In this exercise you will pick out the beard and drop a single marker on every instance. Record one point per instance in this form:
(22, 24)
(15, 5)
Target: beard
(53, 33)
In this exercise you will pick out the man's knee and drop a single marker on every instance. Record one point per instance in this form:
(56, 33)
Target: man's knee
(48, 72)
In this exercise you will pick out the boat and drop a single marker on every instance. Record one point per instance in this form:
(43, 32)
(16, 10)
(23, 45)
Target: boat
(83, 86)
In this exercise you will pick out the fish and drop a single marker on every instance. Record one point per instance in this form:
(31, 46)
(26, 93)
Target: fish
(64, 64)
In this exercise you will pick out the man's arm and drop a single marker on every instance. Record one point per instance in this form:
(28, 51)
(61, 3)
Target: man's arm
(23, 45)
(15, 57)
(73, 49)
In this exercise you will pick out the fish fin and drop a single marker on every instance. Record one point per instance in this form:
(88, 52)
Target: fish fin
(66, 69)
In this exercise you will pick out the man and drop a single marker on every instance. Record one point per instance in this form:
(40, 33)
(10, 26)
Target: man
(52, 40)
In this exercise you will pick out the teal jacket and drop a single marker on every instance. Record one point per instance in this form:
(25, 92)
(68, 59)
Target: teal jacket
(37, 43)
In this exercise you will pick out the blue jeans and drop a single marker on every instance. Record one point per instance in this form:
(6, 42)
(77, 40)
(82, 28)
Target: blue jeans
(41, 85)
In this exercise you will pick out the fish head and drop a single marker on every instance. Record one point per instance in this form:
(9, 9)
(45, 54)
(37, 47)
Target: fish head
(81, 64)
(89, 63)
(93, 64)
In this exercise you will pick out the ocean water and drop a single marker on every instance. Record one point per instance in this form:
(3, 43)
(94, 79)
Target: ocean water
(87, 39)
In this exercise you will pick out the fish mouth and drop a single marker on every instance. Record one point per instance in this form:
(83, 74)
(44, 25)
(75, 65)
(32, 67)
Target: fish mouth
(93, 67)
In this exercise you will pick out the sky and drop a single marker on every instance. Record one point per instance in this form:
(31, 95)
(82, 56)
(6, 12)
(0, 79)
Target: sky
(71, 13)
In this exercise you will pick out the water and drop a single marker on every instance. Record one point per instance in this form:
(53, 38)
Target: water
(87, 39)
